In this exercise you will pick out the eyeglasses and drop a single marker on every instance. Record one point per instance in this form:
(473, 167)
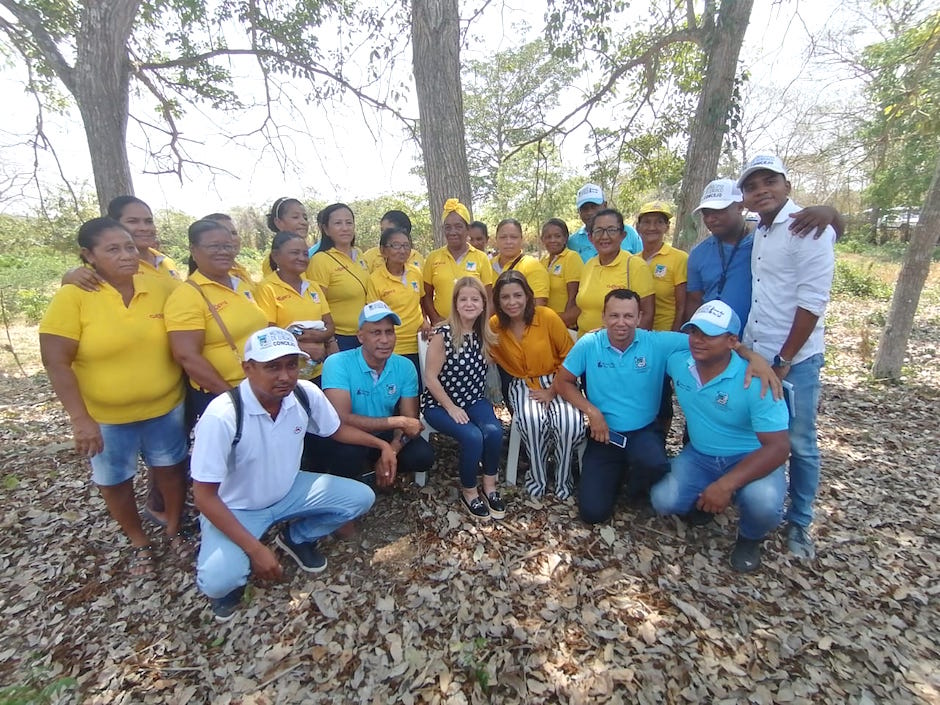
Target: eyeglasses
(218, 247)
(398, 246)
(612, 231)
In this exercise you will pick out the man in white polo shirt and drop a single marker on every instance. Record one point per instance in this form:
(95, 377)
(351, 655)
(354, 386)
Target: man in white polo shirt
(246, 478)
(792, 277)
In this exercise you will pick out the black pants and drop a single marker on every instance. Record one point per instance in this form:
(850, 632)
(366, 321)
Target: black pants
(345, 460)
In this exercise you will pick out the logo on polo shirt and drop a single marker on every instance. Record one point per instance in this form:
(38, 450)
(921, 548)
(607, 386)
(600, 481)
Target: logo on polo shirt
(414, 285)
(660, 271)
(639, 363)
(315, 296)
(391, 389)
(608, 365)
(297, 429)
(721, 399)
(556, 269)
(248, 296)
(362, 393)
(471, 266)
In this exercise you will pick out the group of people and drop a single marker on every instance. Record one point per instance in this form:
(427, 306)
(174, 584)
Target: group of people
(305, 390)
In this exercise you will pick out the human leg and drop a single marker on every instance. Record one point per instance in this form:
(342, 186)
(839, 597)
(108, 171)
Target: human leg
(531, 417)
(568, 431)
(317, 504)
(416, 455)
(760, 504)
(342, 459)
(646, 452)
(163, 447)
(689, 474)
(222, 566)
(469, 439)
(804, 450)
(482, 416)
(604, 467)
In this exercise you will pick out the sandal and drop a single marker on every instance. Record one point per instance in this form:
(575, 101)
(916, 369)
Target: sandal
(140, 562)
(181, 544)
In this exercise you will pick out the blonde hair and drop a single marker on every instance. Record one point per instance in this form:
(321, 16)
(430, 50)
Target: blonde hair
(480, 325)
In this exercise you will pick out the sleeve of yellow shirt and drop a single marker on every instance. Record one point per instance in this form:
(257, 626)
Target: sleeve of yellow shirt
(682, 267)
(558, 333)
(266, 299)
(537, 276)
(318, 269)
(641, 281)
(573, 267)
(63, 316)
(486, 271)
(185, 310)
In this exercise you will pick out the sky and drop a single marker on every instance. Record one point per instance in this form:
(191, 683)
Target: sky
(340, 152)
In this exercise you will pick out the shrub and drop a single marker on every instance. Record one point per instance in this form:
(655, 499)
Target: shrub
(858, 281)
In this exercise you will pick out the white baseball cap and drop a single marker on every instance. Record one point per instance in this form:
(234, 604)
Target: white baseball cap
(719, 194)
(270, 344)
(590, 193)
(714, 318)
(770, 162)
(377, 311)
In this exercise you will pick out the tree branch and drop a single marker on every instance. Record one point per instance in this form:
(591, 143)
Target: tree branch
(43, 41)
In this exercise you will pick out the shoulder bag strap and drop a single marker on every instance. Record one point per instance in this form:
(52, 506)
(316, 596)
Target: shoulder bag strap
(217, 317)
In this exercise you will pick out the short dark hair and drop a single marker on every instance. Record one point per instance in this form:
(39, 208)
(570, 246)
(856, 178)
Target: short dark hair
(621, 295)
(558, 223)
(388, 232)
(117, 205)
(216, 216)
(509, 221)
(607, 211)
(480, 225)
(280, 239)
(90, 232)
(277, 208)
(399, 219)
(195, 233)
(513, 276)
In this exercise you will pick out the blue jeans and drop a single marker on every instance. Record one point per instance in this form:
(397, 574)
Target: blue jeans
(315, 505)
(760, 502)
(643, 462)
(480, 440)
(804, 450)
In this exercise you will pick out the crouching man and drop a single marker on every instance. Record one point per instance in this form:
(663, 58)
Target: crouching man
(739, 440)
(246, 477)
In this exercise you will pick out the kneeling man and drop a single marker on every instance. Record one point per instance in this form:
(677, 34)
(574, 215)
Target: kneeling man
(739, 439)
(376, 391)
(246, 477)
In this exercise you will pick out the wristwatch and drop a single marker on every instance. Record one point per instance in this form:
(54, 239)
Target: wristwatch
(781, 362)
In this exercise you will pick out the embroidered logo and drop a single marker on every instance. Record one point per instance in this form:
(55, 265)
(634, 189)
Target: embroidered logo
(639, 363)
(391, 389)
(660, 271)
(315, 296)
(556, 269)
(471, 266)
(414, 285)
(721, 399)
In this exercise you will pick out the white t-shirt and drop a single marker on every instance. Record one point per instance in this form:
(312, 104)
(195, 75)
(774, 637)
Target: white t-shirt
(264, 464)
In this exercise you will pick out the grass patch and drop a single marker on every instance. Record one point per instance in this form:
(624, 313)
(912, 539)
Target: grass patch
(859, 281)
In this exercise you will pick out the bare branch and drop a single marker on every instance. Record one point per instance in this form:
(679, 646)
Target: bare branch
(42, 40)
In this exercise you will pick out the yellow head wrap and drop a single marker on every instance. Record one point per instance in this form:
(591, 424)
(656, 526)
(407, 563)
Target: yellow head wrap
(454, 206)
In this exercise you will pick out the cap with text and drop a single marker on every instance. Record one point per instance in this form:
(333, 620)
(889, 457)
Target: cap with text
(719, 194)
(590, 193)
(655, 207)
(768, 162)
(270, 344)
(715, 318)
(377, 311)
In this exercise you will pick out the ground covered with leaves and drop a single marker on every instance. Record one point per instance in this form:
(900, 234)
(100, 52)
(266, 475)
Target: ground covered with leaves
(424, 606)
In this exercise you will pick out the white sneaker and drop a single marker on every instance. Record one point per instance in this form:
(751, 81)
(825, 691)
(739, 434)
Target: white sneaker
(800, 542)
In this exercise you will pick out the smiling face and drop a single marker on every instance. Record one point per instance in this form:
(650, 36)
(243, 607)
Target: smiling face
(341, 227)
(553, 239)
(469, 304)
(215, 252)
(765, 192)
(724, 222)
(293, 219)
(455, 232)
(138, 220)
(478, 238)
(652, 228)
(509, 241)
(397, 249)
(620, 319)
(512, 300)
(710, 348)
(113, 255)
(378, 340)
(291, 257)
(606, 235)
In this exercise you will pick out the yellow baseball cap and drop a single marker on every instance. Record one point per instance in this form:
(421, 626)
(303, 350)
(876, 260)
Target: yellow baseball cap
(656, 207)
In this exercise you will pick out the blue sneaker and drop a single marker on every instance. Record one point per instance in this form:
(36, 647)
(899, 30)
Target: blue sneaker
(307, 556)
(224, 607)
(800, 542)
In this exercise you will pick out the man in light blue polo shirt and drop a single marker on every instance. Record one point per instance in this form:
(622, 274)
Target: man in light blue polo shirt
(739, 440)
(590, 202)
(376, 391)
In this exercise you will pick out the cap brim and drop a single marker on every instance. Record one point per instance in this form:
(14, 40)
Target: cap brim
(595, 201)
(762, 167)
(714, 205)
(376, 319)
(276, 355)
(709, 329)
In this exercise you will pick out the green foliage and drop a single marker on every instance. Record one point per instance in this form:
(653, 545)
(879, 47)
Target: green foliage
(472, 656)
(37, 688)
(859, 281)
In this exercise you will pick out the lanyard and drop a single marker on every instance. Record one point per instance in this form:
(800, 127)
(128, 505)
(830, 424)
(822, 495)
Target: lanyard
(725, 266)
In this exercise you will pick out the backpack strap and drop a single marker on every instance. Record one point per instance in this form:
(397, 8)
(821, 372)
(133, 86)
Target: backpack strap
(303, 399)
(236, 396)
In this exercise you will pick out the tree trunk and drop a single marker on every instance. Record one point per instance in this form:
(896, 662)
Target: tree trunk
(435, 36)
(913, 275)
(711, 115)
(100, 85)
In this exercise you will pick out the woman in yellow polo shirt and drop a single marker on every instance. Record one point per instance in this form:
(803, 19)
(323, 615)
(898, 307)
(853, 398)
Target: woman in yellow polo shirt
(392, 219)
(455, 260)
(667, 265)
(109, 362)
(612, 268)
(288, 215)
(341, 272)
(509, 243)
(286, 297)
(400, 285)
(532, 342)
(564, 271)
(209, 353)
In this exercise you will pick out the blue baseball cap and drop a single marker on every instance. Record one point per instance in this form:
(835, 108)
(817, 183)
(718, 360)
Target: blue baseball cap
(377, 311)
(715, 318)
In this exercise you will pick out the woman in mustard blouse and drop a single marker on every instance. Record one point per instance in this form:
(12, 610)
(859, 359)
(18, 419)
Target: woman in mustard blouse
(340, 270)
(532, 342)
(210, 355)
(109, 362)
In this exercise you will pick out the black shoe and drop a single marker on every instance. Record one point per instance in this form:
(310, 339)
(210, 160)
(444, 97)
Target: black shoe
(224, 607)
(306, 554)
(696, 517)
(496, 504)
(746, 555)
(476, 507)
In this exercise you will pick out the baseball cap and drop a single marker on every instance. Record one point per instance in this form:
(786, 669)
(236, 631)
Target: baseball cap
(719, 194)
(376, 311)
(271, 343)
(590, 193)
(714, 318)
(655, 207)
(770, 162)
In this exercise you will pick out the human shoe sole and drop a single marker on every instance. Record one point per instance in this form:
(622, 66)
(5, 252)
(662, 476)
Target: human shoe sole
(466, 506)
(300, 564)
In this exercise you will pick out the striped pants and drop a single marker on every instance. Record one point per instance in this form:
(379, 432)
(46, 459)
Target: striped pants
(555, 425)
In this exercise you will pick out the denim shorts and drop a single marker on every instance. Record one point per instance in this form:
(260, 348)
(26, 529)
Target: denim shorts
(161, 441)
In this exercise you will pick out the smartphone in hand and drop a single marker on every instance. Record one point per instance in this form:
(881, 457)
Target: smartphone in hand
(617, 439)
